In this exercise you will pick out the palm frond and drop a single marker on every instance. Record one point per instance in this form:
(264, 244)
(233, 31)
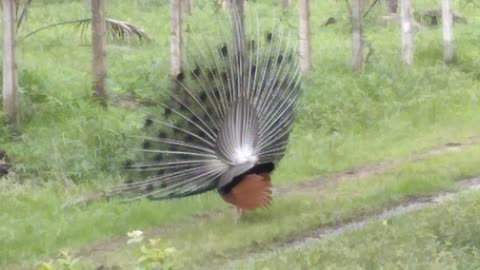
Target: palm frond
(119, 30)
(122, 30)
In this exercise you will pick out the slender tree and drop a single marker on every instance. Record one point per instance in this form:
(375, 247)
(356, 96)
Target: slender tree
(99, 39)
(239, 5)
(357, 35)
(227, 4)
(408, 34)
(285, 5)
(305, 36)
(448, 39)
(10, 81)
(392, 6)
(175, 38)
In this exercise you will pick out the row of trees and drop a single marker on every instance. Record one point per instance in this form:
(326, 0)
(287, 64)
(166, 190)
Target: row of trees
(99, 41)
(99, 48)
(176, 39)
(407, 23)
(10, 77)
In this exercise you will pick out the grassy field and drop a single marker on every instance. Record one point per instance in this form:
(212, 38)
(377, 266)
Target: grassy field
(294, 216)
(443, 237)
(217, 235)
(68, 146)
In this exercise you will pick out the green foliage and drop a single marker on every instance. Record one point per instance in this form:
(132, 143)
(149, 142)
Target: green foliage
(156, 254)
(68, 146)
(64, 262)
(66, 137)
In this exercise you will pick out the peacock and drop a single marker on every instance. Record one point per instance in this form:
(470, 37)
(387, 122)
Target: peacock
(226, 123)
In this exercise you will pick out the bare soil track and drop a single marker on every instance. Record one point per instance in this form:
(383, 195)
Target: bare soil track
(378, 168)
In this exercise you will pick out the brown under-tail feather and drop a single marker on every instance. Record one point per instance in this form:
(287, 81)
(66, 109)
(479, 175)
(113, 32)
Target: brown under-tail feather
(252, 192)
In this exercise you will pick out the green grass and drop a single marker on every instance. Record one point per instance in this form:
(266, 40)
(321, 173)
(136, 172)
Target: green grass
(442, 237)
(344, 119)
(68, 145)
(291, 216)
(208, 242)
(34, 223)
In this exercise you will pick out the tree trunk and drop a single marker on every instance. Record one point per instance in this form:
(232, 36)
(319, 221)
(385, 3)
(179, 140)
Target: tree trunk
(305, 37)
(188, 7)
(357, 33)
(392, 6)
(175, 39)
(10, 81)
(239, 5)
(448, 38)
(285, 5)
(408, 34)
(99, 39)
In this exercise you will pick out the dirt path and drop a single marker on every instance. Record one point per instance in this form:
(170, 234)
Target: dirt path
(99, 251)
(376, 169)
(314, 236)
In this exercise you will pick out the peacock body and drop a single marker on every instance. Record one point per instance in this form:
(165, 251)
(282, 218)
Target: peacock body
(226, 123)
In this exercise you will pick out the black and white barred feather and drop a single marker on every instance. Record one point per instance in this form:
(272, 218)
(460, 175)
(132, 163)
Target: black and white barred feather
(231, 112)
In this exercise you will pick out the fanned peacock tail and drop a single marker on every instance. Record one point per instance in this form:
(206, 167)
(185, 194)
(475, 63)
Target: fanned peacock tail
(231, 112)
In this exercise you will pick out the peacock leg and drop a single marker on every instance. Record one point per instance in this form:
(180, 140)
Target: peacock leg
(237, 215)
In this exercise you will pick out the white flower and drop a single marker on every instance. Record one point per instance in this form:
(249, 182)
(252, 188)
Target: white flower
(170, 250)
(135, 234)
(135, 237)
